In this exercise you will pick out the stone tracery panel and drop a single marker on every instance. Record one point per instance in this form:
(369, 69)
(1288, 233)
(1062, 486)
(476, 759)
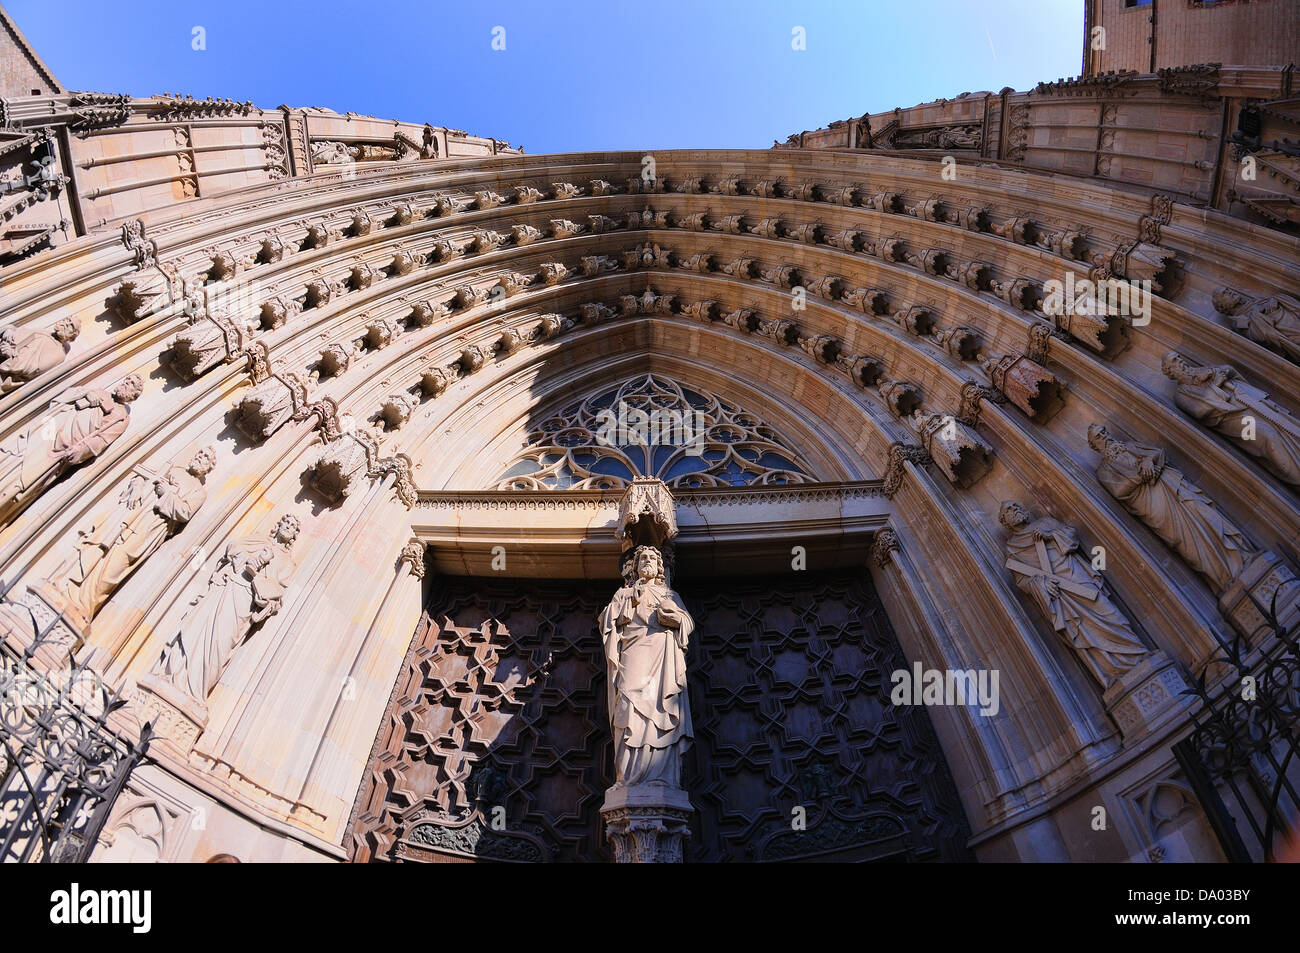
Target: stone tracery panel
(653, 426)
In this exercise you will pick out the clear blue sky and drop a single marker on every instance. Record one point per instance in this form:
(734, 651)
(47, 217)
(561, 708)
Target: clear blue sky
(618, 74)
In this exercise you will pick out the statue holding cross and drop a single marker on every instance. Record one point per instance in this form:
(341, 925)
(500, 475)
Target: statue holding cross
(1044, 555)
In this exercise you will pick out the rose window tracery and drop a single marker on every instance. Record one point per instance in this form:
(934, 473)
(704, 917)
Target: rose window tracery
(653, 426)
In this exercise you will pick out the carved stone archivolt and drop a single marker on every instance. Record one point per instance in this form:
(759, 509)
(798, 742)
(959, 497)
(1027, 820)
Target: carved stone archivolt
(380, 291)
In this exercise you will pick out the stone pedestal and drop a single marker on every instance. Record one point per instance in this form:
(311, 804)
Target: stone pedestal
(647, 824)
(1245, 602)
(36, 610)
(176, 718)
(1146, 696)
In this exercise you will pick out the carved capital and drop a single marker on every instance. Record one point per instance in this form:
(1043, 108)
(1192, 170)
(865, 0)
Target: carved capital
(885, 543)
(900, 453)
(412, 555)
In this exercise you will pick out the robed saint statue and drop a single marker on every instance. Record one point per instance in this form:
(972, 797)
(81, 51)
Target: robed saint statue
(646, 630)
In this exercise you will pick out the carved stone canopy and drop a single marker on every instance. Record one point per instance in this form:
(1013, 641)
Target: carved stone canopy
(646, 514)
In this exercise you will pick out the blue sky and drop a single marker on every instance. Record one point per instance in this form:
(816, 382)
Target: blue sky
(573, 76)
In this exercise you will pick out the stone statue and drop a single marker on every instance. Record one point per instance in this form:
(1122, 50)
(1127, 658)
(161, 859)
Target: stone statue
(80, 425)
(1222, 401)
(646, 630)
(246, 588)
(1172, 506)
(148, 513)
(28, 353)
(1273, 322)
(1044, 555)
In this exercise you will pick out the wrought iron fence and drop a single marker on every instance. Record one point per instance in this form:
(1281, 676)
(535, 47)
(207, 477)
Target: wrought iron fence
(61, 766)
(1242, 758)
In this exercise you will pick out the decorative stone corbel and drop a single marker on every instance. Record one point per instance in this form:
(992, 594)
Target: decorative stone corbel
(973, 394)
(899, 396)
(957, 450)
(1027, 384)
(962, 343)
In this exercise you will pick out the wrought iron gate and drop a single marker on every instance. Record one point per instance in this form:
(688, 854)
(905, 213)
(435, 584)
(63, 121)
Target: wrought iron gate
(1243, 757)
(61, 767)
